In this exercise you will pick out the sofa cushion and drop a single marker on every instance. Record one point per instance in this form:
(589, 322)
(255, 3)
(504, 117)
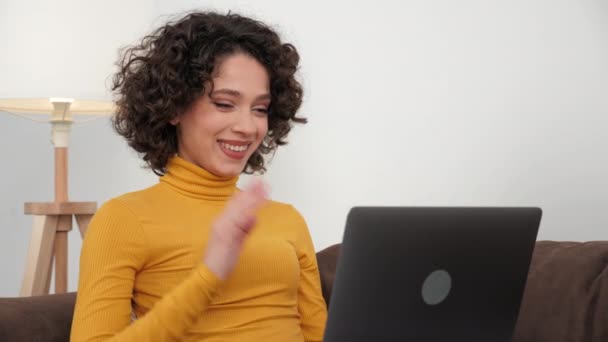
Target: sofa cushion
(40, 318)
(327, 259)
(566, 296)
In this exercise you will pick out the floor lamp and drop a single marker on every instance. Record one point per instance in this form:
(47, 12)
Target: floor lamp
(53, 220)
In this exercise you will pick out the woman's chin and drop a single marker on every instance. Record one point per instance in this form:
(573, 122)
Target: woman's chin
(227, 171)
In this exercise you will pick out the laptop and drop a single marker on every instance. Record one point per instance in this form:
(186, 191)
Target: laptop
(430, 274)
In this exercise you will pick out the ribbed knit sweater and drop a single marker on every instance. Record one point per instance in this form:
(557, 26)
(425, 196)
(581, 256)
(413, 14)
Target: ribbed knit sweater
(142, 277)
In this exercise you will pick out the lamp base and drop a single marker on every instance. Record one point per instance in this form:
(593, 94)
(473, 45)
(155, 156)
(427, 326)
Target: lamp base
(52, 222)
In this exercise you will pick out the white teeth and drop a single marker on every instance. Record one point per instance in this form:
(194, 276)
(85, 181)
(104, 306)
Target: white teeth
(234, 148)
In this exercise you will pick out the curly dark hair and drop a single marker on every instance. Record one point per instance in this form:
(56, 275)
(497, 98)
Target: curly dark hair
(162, 76)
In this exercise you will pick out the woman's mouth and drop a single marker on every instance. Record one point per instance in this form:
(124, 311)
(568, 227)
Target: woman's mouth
(234, 149)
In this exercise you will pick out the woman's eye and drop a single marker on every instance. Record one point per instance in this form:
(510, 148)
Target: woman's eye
(261, 110)
(223, 105)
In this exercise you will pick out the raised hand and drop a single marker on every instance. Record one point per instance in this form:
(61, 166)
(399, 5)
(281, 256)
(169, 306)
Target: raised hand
(231, 228)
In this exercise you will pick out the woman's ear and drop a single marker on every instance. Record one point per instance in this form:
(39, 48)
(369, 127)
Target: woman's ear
(174, 121)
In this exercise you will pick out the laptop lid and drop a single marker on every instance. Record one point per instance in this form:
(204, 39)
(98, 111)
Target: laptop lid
(431, 274)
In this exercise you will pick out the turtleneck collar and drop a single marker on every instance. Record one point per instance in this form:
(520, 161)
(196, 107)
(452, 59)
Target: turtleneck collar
(196, 182)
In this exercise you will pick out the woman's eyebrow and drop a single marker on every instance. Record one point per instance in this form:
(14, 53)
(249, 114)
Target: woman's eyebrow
(227, 92)
(236, 93)
(264, 97)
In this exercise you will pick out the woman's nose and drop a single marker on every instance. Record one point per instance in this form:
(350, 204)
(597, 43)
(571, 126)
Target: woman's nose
(245, 123)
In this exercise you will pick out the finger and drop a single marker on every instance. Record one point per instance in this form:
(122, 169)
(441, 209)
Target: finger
(249, 200)
(257, 189)
(234, 228)
(247, 224)
(242, 220)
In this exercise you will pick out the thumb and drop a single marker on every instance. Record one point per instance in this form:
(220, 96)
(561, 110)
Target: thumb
(254, 196)
(258, 189)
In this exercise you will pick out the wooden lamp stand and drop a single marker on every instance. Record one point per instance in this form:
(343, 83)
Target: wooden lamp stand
(53, 220)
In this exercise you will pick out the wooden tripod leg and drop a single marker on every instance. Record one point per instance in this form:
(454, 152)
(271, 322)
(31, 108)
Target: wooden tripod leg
(64, 225)
(83, 223)
(39, 257)
(47, 287)
(61, 262)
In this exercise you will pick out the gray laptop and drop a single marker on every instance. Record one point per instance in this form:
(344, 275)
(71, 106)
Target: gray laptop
(431, 274)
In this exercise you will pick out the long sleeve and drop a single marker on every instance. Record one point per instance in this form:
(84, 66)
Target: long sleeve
(114, 250)
(311, 305)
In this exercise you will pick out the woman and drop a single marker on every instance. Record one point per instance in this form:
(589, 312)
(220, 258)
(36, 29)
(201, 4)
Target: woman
(192, 258)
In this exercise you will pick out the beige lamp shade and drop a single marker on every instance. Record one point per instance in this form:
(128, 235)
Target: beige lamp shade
(61, 109)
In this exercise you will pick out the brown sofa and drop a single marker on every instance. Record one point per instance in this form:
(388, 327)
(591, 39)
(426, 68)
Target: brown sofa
(566, 299)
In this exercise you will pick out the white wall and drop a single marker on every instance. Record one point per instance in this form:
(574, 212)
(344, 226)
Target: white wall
(60, 48)
(410, 103)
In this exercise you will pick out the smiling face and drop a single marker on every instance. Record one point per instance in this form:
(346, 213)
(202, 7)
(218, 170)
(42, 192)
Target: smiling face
(222, 129)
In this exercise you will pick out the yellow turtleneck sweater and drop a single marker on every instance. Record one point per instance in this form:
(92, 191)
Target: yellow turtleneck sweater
(142, 278)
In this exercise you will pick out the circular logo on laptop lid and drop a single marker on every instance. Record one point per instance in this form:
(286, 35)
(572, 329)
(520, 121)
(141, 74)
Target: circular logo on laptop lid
(436, 287)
